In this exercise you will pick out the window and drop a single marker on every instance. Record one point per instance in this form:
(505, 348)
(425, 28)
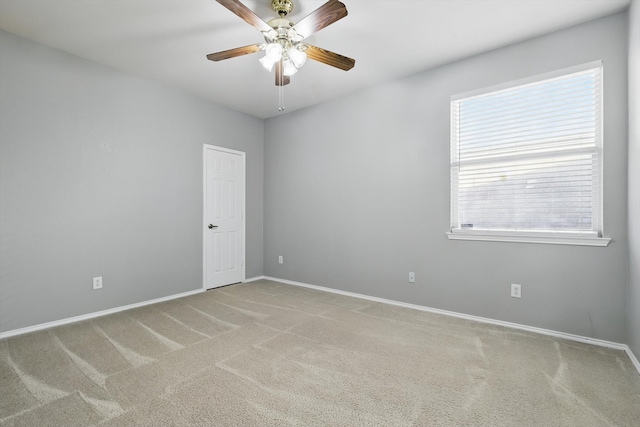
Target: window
(526, 160)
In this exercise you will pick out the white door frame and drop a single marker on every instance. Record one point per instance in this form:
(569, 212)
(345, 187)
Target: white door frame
(243, 156)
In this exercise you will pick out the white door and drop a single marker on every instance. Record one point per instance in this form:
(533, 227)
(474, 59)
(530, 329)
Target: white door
(224, 179)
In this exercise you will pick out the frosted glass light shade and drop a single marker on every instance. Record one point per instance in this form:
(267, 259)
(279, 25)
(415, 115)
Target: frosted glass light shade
(267, 63)
(274, 52)
(289, 68)
(298, 57)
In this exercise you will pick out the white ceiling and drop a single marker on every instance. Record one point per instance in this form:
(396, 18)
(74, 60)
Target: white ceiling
(168, 40)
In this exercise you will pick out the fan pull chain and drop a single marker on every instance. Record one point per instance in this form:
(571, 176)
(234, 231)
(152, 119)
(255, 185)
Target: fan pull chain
(281, 98)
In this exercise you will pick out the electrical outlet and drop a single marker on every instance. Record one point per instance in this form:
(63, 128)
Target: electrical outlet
(516, 291)
(280, 259)
(412, 277)
(97, 282)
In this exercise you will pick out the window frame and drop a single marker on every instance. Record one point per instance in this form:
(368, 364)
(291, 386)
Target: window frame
(583, 238)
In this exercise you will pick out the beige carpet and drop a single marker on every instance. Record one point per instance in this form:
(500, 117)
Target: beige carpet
(265, 353)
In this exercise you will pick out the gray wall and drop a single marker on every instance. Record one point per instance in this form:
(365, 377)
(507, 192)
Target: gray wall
(633, 300)
(360, 196)
(101, 174)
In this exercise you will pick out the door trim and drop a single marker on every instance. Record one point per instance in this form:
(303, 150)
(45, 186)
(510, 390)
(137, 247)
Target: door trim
(203, 224)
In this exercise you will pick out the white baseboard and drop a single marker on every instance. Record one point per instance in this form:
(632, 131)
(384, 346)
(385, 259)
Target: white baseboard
(633, 358)
(88, 316)
(548, 332)
(66, 321)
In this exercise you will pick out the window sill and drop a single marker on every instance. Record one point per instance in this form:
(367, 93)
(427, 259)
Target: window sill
(549, 240)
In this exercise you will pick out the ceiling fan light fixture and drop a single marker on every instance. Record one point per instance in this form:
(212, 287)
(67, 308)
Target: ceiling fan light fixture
(283, 45)
(273, 51)
(267, 63)
(271, 35)
(273, 54)
(289, 69)
(297, 56)
(293, 36)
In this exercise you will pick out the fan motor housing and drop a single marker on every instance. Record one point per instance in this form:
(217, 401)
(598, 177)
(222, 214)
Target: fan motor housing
(282, 7)
(280, 23)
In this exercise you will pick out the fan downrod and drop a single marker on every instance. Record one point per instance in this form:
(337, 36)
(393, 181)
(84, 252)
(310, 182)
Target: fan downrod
(282, 7)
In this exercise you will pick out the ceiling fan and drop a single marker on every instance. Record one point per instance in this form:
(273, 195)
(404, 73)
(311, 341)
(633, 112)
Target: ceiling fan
(284, 48)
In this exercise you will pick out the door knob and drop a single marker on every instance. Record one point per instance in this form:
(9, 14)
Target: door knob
(212, 226)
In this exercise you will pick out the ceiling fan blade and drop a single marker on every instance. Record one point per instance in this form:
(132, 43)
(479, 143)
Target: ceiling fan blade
(232, 53)
(281, 79)
(329, 58)
(325, 15)
(245, 13)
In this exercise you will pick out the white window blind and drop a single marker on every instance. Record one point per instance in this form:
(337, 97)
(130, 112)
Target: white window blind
(527, 158)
